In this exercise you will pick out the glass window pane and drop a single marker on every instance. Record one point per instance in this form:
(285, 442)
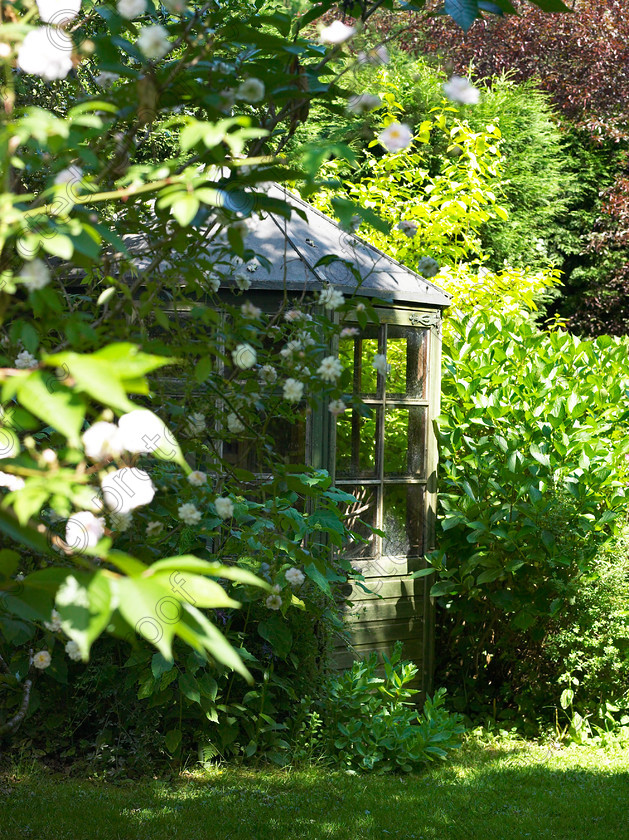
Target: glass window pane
(403, 519)
(283, 440)
(289, 439)
(356, 445)
(407, 354)
(405, 441)
(362, 513)
(356, 355)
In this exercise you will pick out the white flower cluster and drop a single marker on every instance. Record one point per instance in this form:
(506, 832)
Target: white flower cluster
(396, 137)
(189, 514)
(330, 369)
(25, 360)
(294, 576)
(46, 52)
(331, 298)
(138, 431)
(35, 275)
(460, 89)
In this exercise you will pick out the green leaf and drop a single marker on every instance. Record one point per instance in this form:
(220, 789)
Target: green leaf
(160, 665)
(189, 688)
(9, 561)
(315, 575)
(463, 12)
(151, 610)
(84, 604)
(58, 245)
(185, 209)
(189, 563)
(278, 634)
(172, 740)
(196, 590)
(53, 403)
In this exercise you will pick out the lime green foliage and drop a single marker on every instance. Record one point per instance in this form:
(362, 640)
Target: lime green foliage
(519, 292)
(537, 180)
(373, 724)
(493, 787)
(448, 208)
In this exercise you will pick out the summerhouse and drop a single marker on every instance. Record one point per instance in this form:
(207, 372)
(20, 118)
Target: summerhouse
(387, 460)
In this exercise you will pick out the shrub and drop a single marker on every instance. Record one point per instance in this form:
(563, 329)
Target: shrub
(373, 725)
(533, 476)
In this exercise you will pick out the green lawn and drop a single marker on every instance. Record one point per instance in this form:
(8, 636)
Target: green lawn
(500, 792)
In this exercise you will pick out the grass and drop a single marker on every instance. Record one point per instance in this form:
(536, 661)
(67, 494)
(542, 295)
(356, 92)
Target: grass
(500, 791)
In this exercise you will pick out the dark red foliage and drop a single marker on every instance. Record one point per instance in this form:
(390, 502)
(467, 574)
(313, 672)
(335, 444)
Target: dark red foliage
(581, 59)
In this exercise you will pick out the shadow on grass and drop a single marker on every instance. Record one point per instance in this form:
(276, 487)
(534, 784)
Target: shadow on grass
(490, 793)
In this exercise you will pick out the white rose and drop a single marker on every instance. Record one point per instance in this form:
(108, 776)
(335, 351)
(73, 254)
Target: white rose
(197, 478)
(46, 52)
(73, 651)
(102, 441)
(293, 390)
(331, 298)
(143, 431)
(274, 602)
(234, 425)
(58, 11)
(126, 489)
(460, 89)
(244, 356)
(336, 33)
(294, 576)
(189, 514)
(175, 7)
(380, 364)
(35, 275)
(41, 660)
(130, 9)
(153, 42)
(330, 369)
(224, 507)
(396, 137)
(251, 90)
(84, 530)
(73, 176)
(363, 102)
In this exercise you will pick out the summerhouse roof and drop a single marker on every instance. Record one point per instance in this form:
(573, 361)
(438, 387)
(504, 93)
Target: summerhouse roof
(294, 246)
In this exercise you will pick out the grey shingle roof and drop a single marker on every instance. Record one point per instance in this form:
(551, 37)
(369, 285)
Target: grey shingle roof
(294, 246)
